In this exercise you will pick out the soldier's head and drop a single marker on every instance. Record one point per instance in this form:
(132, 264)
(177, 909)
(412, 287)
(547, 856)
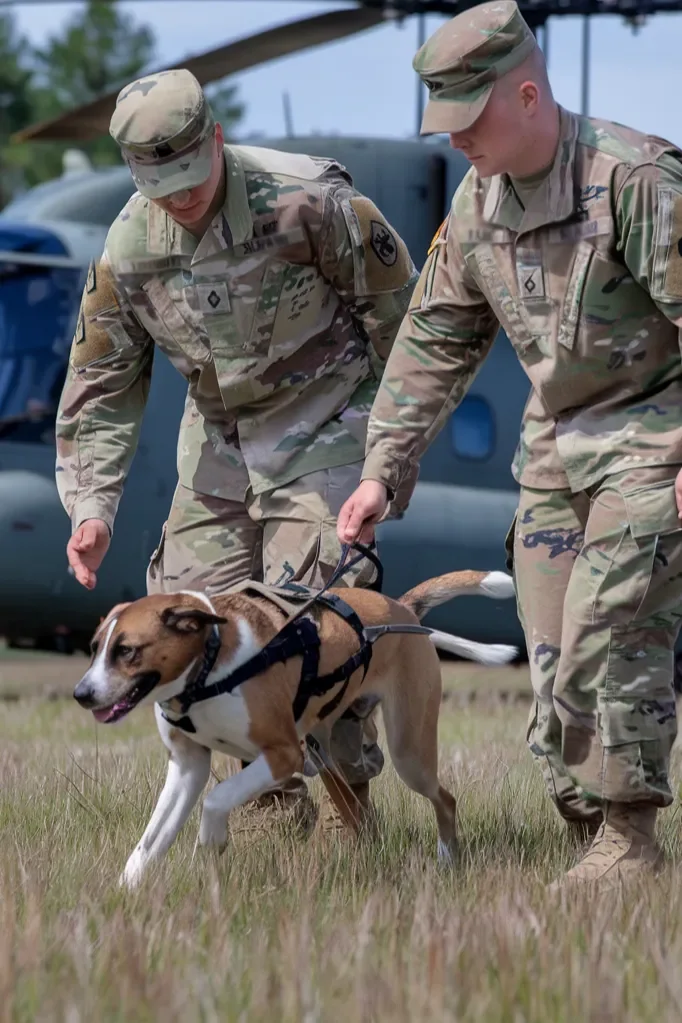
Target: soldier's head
(489, 89)
(168, 137)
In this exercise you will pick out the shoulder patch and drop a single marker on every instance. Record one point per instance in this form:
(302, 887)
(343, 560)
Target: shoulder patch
(667, 256)
(386, 260)
(92, 340)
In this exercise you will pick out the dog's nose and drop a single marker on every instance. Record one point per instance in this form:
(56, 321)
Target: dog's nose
(84, 693)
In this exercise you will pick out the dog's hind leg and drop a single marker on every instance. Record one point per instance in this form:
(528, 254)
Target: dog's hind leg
(410, 708)
(189, 767)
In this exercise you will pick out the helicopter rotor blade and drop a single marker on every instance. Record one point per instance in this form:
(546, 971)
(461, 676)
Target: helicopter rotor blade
(92, 119)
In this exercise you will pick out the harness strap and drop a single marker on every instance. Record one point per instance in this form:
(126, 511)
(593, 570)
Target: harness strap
(373, 632)
(298, 637)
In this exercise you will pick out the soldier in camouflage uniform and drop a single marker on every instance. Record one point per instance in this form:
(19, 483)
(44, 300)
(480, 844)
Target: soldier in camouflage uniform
(276, 289)
(567, 233)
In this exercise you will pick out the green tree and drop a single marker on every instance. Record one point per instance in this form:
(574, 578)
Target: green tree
(99, 49)
(16, 99)
(226, 107)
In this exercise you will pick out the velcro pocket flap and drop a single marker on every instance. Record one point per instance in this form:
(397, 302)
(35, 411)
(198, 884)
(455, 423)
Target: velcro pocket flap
(652, 510)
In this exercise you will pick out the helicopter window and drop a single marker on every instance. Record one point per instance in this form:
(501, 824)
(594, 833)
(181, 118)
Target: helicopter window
(472, 429)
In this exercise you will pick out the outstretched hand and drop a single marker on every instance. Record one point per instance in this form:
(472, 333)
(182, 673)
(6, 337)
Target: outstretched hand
(86, 549)
(364, 508)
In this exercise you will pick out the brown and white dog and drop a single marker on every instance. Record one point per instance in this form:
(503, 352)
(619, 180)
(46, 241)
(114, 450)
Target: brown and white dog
(151, 649)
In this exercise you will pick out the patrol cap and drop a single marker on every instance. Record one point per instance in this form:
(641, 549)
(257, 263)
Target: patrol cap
(165, 128)
(462, 60)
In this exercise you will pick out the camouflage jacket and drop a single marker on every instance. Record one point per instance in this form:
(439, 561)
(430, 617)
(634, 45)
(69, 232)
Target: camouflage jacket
(586, 283)
(280, 317)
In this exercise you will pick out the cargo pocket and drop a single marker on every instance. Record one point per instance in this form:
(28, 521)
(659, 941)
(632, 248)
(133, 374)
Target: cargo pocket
(657, 532)
(631, 560)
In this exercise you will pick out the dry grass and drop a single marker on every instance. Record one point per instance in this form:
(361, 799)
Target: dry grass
(301, 931)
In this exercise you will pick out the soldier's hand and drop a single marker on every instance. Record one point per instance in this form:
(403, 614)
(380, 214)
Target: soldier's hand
(678, 493)
(86, 549)
(365, 506)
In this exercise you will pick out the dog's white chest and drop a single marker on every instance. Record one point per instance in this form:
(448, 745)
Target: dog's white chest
(222, 724)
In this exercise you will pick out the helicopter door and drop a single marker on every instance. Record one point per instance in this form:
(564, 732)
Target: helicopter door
(40, 288)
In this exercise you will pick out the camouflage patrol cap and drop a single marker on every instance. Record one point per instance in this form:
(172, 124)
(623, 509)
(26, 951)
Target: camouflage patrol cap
(165, 128)
(462, 60)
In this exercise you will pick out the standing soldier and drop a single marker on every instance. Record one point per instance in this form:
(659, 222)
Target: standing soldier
(276, 289)
(566, 232)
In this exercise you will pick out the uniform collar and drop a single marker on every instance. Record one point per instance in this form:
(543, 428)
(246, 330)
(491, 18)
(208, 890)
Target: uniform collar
(166, 237)
(555, 199)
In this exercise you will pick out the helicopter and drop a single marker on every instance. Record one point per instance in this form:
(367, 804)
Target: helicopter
(466, 496)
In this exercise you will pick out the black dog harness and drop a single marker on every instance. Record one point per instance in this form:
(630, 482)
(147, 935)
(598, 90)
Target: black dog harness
(299, 636)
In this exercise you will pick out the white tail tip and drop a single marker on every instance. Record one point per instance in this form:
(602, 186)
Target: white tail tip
(497, 584)
(484, 653)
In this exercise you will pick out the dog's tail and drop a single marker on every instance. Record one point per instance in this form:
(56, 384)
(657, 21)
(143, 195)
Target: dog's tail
(442, 588)
(484, 653)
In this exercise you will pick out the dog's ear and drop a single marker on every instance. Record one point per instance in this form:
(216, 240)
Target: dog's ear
(189, 619)
(118, 608)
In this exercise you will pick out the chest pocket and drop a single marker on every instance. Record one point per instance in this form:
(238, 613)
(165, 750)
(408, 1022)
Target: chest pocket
(302, 309)
(178, 326)
(508, 308)
(601, 309)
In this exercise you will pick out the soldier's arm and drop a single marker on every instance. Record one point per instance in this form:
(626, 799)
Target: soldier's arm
(649, 225)
(102, 401)
(369, 266)
(445, 336)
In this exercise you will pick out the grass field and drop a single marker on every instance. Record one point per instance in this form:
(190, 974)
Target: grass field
(299, 931)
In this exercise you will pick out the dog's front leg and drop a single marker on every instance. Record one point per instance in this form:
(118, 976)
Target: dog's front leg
(272, 767)
(189, 767)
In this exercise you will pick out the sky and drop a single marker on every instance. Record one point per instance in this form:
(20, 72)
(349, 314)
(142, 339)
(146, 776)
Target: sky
(365, 85)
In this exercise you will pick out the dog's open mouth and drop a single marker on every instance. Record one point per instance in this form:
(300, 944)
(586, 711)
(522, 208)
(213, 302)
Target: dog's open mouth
(143, 686)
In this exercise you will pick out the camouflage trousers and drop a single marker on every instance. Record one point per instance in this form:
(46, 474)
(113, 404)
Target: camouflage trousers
(598, 579)
(211, 544)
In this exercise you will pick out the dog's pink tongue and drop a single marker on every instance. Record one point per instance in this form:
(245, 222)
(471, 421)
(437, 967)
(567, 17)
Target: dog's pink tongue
(103, 715)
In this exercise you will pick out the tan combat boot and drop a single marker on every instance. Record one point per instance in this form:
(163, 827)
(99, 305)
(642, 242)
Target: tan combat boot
(623, 848)
(288, 806)
(583, 832)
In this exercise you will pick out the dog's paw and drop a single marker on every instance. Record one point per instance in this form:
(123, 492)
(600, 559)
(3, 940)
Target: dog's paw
(133, 871)
(213, 832)
(447, 855)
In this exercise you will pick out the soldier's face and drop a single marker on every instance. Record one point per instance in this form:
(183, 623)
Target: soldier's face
(498, 141)
(190, 206)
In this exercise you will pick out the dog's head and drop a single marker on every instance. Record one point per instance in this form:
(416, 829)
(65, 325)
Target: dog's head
(140, 650)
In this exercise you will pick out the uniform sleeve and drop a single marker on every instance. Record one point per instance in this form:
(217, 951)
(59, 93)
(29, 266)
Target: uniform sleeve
(649, 224)
(102, 401)
(447, 333)
(369, 266)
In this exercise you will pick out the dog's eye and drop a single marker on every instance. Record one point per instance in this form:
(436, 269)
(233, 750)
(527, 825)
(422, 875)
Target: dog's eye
(123, 651)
